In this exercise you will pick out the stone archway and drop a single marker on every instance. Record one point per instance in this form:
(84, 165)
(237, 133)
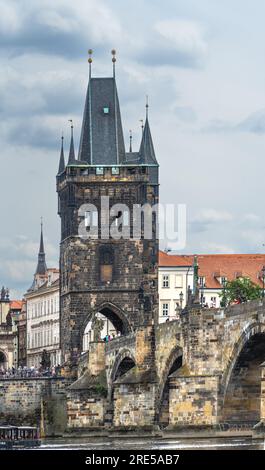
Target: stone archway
(124, 362)
(173, 363)
(113, 313)
(241, 386)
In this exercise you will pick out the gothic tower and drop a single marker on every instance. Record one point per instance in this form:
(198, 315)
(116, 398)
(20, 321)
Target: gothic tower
(113, 274)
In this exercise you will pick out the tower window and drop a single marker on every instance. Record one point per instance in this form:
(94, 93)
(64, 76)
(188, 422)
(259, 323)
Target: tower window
(106, 262)
(106, 110)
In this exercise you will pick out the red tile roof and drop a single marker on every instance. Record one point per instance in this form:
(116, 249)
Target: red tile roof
(213, 266)
(16, 304)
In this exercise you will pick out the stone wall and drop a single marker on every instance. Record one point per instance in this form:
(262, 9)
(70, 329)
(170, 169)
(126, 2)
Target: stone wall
(85, 409)
(193, 401)
(35, 401)
(134, 405)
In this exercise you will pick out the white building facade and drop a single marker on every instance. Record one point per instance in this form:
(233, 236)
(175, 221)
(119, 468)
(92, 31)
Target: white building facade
(176, 277)
(43, 314)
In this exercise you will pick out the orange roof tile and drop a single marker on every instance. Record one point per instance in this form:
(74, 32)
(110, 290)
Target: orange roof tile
(16, 304)
(213, 266)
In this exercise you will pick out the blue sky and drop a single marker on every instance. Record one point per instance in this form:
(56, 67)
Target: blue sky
(200, 62)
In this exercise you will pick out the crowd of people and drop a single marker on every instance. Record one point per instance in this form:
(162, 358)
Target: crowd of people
(108, 338)
(26, 372)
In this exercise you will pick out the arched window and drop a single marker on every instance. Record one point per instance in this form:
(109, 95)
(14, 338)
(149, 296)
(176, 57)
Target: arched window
(106, 264)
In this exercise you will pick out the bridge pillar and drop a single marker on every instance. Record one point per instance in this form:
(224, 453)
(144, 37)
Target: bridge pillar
(135, 392)
(87, 396)
(193, 400)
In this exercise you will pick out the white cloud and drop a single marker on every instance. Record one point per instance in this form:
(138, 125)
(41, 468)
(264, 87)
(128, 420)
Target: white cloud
(184, 36)
(212, 216)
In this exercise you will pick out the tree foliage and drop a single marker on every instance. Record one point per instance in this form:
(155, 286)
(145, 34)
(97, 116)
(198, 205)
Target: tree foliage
(239, 291)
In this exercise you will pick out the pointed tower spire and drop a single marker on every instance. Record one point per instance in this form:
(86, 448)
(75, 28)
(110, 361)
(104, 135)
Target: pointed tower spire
(71, 158)
(101, 140)
(146, 107)
(147, 152)
(62, 162)
(41, 266)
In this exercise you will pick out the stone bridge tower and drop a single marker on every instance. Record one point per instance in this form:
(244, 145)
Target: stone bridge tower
(104, 266)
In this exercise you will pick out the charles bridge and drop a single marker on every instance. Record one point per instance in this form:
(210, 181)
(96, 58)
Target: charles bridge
(202, 370)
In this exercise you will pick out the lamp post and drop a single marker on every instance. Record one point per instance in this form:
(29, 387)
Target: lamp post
(263, 281)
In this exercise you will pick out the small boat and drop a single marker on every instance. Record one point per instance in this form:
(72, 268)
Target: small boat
(13, 437)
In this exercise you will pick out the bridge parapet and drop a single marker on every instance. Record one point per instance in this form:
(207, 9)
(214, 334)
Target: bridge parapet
(253, 306)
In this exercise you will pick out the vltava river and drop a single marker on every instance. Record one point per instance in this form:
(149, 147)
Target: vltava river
(235, 443)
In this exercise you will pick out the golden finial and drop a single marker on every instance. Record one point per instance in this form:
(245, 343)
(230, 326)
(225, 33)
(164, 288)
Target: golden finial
(90, 52)
(90, 60)
(147, 106)
(113, 53)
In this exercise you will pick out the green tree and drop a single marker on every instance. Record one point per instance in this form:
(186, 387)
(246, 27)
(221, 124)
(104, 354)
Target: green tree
(239, 290)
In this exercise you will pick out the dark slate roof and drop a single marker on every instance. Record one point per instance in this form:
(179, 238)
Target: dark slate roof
(102, 139)
(71, 158)
(132, 157)
(41, 266)
(62, 162)
(147, 152)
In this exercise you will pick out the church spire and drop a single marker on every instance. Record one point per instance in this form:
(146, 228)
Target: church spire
(41, 266)
(62, 162)
(71, 158)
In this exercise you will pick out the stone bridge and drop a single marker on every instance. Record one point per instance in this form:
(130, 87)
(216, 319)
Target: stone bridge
(202, 370)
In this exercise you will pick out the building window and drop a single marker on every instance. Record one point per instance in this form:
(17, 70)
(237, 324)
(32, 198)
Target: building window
(223, 280)
(213, 301)
(115, 170)
(99, 170)
(178, 280)
(165, 310)
(106, 262)
(201, 281)
(165, 280)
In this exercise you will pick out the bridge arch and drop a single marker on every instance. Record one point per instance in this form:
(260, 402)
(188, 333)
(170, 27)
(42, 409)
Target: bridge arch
(113, 313)
(251, 330)
(123, 363)
(173, 363)
(241, 382)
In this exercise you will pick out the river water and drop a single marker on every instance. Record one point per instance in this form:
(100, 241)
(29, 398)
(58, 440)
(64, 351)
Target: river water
(235, 443)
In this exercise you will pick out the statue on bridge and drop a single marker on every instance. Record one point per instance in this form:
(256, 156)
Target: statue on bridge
(97, 326)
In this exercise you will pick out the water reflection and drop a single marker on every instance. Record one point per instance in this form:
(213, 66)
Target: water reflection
(153, 444)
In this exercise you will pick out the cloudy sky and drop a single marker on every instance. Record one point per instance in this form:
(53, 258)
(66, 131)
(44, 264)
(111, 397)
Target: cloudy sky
(202, 65)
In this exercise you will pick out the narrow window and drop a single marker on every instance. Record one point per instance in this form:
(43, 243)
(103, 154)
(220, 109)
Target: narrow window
(106, 261)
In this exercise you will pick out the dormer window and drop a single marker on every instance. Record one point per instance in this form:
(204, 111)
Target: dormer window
(115, 170)
(99, 170)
